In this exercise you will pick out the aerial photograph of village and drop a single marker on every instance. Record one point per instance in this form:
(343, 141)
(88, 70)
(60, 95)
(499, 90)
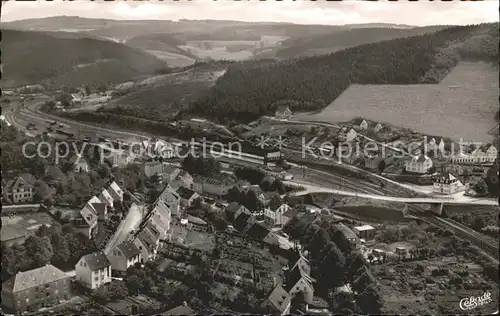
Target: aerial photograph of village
(285, 158)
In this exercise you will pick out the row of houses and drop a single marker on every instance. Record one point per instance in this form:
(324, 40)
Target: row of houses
(97, 208)
(297, 279)
(244, 221)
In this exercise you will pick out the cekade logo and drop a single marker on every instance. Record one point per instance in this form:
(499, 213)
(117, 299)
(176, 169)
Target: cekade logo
(472, 302)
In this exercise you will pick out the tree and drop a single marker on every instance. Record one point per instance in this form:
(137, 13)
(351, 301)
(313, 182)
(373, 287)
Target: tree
(266, 183)
(103, 170)
(61, 248)
(278, 186)
(478, 223)
(481, 187)
(39, 250)
(42, 191)
(369, 301)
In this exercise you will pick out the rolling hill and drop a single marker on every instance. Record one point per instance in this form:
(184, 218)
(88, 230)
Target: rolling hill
(248, 91)
(225, 37)
(330, 43)
(33, 57)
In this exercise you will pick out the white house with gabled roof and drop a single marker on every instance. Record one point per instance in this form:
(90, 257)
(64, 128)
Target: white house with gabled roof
(447, 184)
(115, 191)
(106, 198)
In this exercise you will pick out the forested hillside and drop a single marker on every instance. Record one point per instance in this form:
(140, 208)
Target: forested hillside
(332, 42)
(249, 90)
(159, 42)
(32, 57)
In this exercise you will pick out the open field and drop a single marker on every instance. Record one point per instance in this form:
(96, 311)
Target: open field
(172, 60)
(462, 105)
(162, 96)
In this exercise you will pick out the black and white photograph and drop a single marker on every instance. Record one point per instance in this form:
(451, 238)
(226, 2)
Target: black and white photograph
(228, 157)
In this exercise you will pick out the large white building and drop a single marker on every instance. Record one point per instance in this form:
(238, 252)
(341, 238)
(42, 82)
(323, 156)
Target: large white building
(447, 184)
(478, 156)
(419, 164)
(93, 270)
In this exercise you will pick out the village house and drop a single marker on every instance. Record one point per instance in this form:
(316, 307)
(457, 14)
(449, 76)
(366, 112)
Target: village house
(348, 135)
(374, 163)
(147, 244)
(275, 210)
(157, 168)
(365, 232)
(158, 148)
(447, 184)
(79, 164)
(106, 198)
(34, 289)
(360, 124)
(259, 232)
(234, 209)
(183, 179)
(278, 302)
(349, 235)
(419, 164)
(188, 196)
(115, 191)
(171, 199)
(117, 157)
(216, 187)
(160, 218)
(283, 112)
(378, 128)
(302, 263)
(124, 256)
(20, 190)
(480, 155)
(288, 216)
(297, 280)
(197, 123)
(76, 99)
(435, 146)
(93, 270)
(86, 223)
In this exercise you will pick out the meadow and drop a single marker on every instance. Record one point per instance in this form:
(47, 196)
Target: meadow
(462, 105)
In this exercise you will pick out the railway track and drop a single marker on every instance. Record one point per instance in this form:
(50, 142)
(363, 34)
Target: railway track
(487, 244)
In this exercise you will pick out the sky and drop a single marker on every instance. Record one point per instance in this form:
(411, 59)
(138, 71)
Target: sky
(301, 12)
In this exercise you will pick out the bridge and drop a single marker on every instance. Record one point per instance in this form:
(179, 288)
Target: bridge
(437, 203)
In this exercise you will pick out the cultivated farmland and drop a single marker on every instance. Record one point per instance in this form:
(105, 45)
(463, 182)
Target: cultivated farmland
(463, 104)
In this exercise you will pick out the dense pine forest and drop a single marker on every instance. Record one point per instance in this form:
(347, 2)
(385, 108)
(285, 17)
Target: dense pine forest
(250, 90)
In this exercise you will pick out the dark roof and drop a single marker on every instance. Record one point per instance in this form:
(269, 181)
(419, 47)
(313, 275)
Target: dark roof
(128, 249)
(258, 232)
(100, 208)
(242, 221)
(279, 298)
(275, 203)
(233, 207)
(358, 121)
(291, 213)
(185, 193)
(179, 310)
(196, 220)
(97, 261)
(294, 276)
